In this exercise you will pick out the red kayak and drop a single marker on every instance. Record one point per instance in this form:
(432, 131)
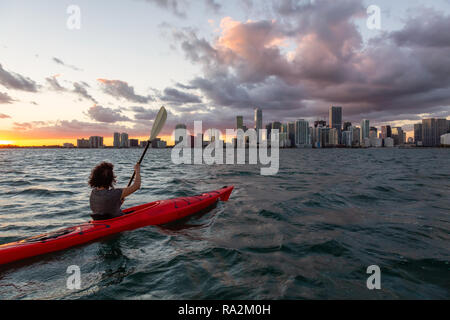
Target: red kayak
(152, 214)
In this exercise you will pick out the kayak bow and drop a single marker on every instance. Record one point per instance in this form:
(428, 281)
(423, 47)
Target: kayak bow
(151, 214)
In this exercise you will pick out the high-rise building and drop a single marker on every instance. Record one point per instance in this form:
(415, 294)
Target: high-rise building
(347, 137)
(269, 130)
(336, 120)
(116, 140)
(356, 136)
(432, 130)
(258, 119)
(291, 133)
(302, 137)
(442, 127)
(418, 133)
(319, 123)
(399, 136)
(386, 132)
(346, 126)
(239, 122)
(124, 143)
(134, 143)
(96, 142)
(276, 126)
(334, 137)
(373, 132)
(83, 143)
(365, 130)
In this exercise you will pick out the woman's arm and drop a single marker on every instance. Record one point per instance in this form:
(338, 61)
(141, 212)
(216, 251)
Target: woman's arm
(136, 185)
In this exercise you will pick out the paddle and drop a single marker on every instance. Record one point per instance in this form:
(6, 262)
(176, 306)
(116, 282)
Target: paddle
(158, 124)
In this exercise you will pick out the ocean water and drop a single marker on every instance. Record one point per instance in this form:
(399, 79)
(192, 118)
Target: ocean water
(309, 232)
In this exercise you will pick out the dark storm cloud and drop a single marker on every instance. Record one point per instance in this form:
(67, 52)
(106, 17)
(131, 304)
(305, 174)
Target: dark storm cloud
(431, 29)
(12, 80)
(60, 62)
(175, 96)
(106, 115)
(5, 98)
(404, 72)
(120, 89)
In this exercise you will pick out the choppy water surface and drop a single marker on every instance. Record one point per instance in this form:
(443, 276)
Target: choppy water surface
(309, 232)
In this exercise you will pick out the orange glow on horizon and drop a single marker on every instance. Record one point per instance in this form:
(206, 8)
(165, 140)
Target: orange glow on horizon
(107, 141)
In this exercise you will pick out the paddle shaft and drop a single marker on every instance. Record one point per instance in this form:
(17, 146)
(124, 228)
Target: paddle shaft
(140, 161)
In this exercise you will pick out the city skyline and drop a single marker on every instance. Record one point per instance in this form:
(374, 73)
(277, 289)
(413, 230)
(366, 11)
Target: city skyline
(291, 59)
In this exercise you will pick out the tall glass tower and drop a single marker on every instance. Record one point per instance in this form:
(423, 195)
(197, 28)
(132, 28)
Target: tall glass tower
(258, 119)
(336, 120)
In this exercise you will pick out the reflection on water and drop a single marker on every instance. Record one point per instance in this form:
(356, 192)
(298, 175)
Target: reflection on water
(309, 232)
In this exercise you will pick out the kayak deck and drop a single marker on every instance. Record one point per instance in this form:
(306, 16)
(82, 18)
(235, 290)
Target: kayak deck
(150, 214)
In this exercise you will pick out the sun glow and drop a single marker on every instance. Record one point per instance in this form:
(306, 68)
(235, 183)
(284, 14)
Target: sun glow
(5, 142)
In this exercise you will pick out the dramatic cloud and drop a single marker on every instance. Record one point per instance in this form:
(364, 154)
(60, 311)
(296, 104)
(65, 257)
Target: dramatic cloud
(70, 129)
(313, 56)
(4, 98)
(176, 97)
(16, 81)
(120, 89)
(54, 84)
(4, 116)
(143, 113)
(106, 115)
(60, 62)
(79, 88)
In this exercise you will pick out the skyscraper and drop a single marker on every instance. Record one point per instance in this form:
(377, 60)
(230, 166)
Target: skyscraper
(239, 122)
(276, 126)
(336, 120)
(432, 130)
(269, 130)
(418, 133)
(429, 133)
(386, 132)
(346, 126)
(291, 132)
(258, 119)
(318, 123)
(302, 133)
(124, 143)
(116, 140)
(399, 136)
(365, 130)
(96, 142)
(356, 136)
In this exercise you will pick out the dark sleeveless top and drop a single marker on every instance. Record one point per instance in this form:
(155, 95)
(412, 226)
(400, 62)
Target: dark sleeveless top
(105, 204)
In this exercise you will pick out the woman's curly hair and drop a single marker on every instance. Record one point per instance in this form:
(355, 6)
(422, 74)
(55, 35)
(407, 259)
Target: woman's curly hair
(102, 176)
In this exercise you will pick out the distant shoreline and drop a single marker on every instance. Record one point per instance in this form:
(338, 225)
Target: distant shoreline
(171, 147)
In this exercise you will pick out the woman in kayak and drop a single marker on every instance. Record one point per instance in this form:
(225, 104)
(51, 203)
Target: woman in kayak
(106, 201)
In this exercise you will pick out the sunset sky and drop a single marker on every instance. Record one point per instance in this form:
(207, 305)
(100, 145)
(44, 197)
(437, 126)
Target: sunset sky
(212, 60)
